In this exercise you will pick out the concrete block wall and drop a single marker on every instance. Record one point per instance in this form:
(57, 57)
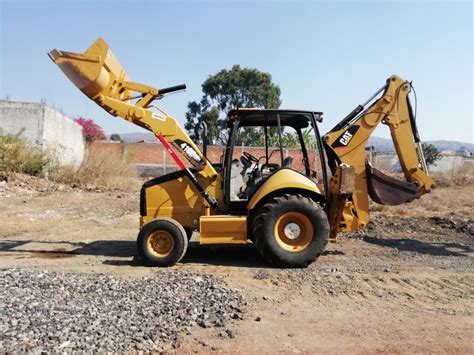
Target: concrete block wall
(16, 117)
(44, 127)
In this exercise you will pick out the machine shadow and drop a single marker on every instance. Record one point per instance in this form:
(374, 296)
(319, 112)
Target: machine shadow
(417, 246)
(242, 255)
(245, 255)
(112, 248)
(223, 255)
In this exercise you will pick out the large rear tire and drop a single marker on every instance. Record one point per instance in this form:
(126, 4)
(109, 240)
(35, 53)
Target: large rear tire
(162, 242)
(290, 231)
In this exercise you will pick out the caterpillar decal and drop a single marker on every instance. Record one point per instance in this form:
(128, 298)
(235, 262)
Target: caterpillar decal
(345, 138)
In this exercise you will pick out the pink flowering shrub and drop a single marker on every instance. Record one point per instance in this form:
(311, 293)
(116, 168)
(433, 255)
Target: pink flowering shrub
(90, 130)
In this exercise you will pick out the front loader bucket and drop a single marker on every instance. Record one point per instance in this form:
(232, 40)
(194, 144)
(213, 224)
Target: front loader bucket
(386, 190)
(94, 72)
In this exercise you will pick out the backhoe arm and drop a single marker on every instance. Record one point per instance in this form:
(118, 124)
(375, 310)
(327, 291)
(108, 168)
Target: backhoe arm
(99, 75)
(346, 142)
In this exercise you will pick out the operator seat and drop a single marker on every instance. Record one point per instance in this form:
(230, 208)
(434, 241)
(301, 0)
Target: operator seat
(288, 162)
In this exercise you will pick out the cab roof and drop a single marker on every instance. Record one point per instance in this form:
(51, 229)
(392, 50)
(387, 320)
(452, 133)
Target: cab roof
(257, 117)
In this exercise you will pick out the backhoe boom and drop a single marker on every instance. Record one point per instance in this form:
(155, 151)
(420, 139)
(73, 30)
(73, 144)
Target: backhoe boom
(346, 143)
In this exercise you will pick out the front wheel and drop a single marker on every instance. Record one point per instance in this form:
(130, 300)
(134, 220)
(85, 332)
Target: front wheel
(162, 242)
(290, 230)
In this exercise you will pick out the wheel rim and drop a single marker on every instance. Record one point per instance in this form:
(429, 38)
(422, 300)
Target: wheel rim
(161, 243)
(293, 231)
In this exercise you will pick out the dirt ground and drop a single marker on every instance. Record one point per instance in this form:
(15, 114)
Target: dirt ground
(403, 285)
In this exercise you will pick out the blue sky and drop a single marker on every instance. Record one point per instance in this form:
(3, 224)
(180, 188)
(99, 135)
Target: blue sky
(327, 56)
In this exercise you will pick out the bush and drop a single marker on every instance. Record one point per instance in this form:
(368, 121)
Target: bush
(17, 156)
(100, 169)
(116, 137)
(431, 153)
(90, 130)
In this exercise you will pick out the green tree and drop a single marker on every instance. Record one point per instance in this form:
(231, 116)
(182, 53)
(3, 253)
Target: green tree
(431, 153)
(116, 137)
(227, 90)
(198, 113)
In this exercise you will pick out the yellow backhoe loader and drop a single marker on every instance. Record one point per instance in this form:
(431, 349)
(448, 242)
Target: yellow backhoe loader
(289, 206)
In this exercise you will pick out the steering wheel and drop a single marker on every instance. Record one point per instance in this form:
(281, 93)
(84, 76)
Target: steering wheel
(250, 157)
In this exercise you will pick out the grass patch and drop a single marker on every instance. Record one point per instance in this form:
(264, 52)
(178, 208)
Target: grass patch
(100, 169)
(105, 169)
(461, 176)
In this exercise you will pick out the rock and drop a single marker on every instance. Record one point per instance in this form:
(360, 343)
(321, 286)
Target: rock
(223, 334)
(205, 324)
(236, 316)
(230, 333)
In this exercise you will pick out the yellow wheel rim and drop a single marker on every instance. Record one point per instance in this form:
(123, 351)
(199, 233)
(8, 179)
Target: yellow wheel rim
(161, 243)
(293, 231)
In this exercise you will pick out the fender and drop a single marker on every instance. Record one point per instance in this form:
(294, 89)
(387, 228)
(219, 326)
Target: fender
(283, 179)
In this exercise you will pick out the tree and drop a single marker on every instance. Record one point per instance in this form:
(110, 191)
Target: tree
(431, 153)
(197, 113)
(116, 137)
(90, 130)
(227, 90)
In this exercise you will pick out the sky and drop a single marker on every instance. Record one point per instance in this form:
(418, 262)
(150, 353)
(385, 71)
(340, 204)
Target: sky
(325, 56)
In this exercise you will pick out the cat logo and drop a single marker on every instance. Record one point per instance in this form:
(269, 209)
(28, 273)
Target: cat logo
(345, 138)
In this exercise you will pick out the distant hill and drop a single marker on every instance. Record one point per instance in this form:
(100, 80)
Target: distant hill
(386, 145)
(380, 144)
(453, 145)
(138, 136)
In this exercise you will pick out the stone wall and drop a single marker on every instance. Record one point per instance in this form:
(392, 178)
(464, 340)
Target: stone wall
(44, 127)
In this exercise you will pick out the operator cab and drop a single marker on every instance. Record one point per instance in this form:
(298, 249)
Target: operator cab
(262, 142)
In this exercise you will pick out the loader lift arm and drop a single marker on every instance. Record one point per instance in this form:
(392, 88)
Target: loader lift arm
(345, 146)
(99, 75)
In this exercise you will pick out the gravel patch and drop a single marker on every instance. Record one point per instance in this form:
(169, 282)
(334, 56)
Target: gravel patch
(45, 311)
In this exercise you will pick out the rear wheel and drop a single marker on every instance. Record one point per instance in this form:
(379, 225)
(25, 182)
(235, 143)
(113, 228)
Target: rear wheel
(162, 242)
(290, 230)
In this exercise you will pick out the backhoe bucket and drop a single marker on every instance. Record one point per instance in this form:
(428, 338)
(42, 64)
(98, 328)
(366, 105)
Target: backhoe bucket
(386, 190)
(95, 71)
